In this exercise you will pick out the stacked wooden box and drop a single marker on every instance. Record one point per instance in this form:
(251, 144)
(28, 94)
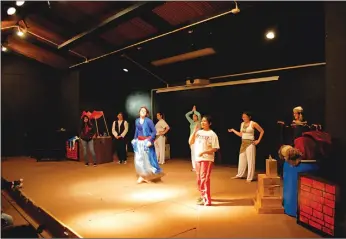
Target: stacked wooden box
(269, 194)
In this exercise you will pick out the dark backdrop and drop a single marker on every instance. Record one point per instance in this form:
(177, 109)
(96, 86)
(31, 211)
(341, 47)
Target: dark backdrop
(30, 101)
(269, 102)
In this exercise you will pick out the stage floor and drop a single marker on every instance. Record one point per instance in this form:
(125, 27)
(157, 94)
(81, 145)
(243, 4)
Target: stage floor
(105, 201)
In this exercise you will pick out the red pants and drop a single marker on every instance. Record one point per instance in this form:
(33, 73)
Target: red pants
(203, 171)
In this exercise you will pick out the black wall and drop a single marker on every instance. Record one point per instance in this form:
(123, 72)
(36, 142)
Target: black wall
(269, 102)
(30, 100)
(69, 106)
(104, 86)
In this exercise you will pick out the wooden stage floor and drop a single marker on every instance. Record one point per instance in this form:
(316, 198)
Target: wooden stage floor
(105, 201)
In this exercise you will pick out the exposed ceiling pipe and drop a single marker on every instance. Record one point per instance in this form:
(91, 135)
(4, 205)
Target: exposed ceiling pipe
(143, 68)
(45, 39)
(156, 37)
(76, 53)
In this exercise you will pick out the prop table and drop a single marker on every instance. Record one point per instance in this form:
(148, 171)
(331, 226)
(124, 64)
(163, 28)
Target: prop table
(102, 144)
(103, 150)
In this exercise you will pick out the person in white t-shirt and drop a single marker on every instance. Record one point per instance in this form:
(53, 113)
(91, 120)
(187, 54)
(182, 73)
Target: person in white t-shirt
(205, 143)
(160, 142)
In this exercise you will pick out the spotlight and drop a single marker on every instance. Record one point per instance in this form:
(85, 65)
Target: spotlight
(126, 70)
(3, 48)
(20, 3)
(270, 35)
(20, 33)
(236, 9)
(11, 11)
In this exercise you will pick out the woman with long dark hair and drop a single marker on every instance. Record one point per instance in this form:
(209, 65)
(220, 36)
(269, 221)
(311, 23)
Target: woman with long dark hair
(86, 135)
(247, 154)
(146, 164)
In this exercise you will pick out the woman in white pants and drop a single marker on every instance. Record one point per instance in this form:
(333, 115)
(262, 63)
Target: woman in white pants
(160, 141)
(196, 118)
(247, 154)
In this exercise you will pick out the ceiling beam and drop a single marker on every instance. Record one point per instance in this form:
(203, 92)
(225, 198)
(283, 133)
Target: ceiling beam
(31, 51)
(71, 29)
(111, 22)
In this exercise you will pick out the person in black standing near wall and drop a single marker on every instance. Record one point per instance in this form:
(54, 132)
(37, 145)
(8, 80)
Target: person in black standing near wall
(120, 128)
(86, 135)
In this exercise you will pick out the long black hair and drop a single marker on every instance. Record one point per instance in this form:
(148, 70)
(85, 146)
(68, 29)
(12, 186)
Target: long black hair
(89, 123)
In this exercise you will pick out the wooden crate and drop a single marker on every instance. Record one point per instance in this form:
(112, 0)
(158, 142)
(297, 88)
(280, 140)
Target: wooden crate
(263, 179)
(271, 168)
(270, 191)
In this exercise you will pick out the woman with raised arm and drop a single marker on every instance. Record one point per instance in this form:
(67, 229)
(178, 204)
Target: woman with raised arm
(146, 164)
(247, 154)
(195, 121)
(206, 143)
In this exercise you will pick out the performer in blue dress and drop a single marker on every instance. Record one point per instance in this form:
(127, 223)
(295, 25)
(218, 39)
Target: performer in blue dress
(146, 163)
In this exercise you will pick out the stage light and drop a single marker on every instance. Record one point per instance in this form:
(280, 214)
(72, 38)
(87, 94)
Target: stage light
(3, 48)
(126, 70)
(270, 35)
(20, 3)
(11, 11)
(135, 101)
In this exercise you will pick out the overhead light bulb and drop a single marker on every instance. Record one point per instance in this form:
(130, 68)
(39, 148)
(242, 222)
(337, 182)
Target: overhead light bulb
(11, 11)
(20, 33)
(3, 48)
(126, 70)
(20, 3)
(270, 35)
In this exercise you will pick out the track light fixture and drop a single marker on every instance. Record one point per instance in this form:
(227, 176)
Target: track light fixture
(20, 33)
(236, 9)
(20, 3)
(11, 11)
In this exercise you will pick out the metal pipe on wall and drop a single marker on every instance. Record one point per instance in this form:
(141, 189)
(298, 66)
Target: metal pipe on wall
(269, 70)
(237, 82)
(241, 74)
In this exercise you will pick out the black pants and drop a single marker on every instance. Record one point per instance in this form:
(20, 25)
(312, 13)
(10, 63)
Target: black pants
(120, 149)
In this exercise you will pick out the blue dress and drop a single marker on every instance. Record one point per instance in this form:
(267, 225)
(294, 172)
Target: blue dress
(146, 163)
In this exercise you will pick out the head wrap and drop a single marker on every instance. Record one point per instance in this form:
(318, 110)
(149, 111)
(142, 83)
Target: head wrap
(298, 109)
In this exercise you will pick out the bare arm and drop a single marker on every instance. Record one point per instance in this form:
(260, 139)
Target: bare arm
(187, 116)
(210, 151)
(240, 134)
(193, 136)
(259, 128)
(166, 128)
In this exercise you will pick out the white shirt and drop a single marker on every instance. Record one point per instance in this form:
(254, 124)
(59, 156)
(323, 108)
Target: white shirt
(126, 126)
(205, 140)
(160, 126)
(249, 132)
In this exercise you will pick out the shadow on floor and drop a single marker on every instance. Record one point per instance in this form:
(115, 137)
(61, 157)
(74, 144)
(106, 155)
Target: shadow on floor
(233, 202)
